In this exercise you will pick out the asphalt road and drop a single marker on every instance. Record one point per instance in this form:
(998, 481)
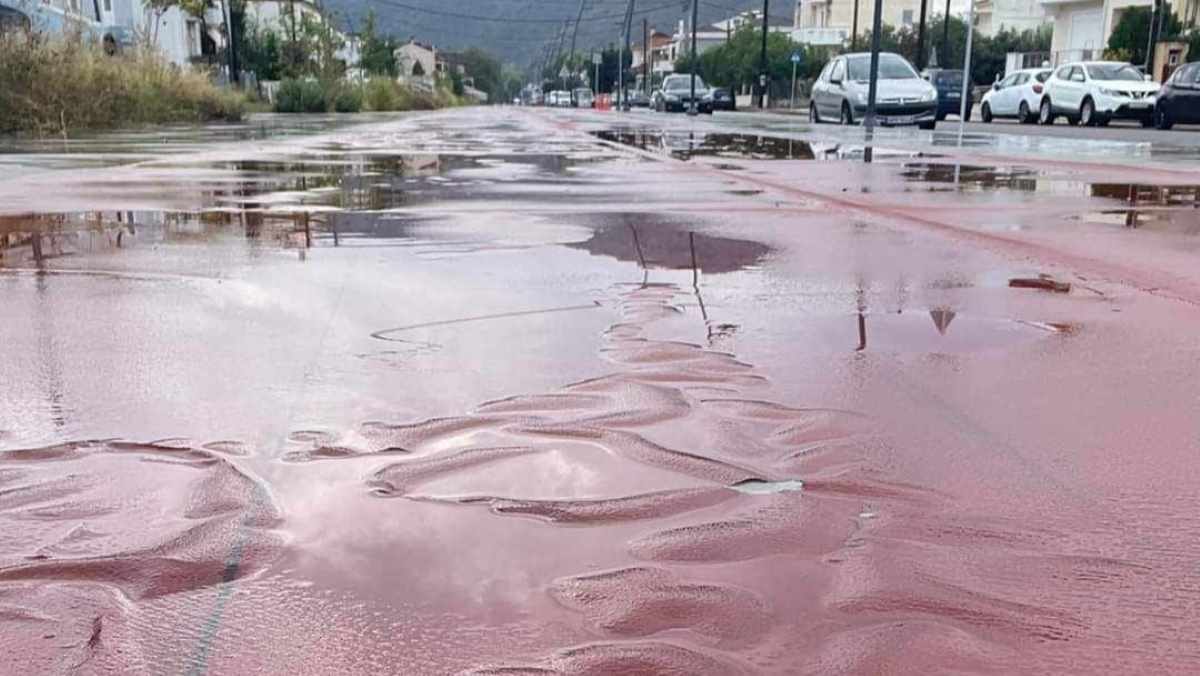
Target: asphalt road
(504, 390)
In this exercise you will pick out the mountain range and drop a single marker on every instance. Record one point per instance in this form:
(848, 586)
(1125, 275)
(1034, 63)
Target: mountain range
(518, 31)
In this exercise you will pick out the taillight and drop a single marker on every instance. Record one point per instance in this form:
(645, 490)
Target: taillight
(1037, 88)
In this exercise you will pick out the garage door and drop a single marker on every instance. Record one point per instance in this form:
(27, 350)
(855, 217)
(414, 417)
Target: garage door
(1086, 29)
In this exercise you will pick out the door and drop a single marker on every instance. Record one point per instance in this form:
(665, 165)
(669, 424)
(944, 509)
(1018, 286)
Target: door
(832, 101)
(1187, 102)
(1068, 91)
(820, 90)
(1004, 101)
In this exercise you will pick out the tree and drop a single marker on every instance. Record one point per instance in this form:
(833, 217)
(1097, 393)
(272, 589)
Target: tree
(487, 72)
(456, 83)
(737, 62)
(1131, 35)
(378, 53)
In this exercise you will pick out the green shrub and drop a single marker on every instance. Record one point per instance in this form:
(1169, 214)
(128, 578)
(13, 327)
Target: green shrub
(348, 100)
(382, 94)
(300, 96)
(59, 84)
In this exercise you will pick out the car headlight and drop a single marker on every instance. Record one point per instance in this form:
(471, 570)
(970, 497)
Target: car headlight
(672, 98)
(929, 95)
(1110, 92)
(861, 97)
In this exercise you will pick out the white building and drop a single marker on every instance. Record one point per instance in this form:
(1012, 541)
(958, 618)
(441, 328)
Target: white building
(831, 22)
(416, 60)
(992, 16)
(1082, 27)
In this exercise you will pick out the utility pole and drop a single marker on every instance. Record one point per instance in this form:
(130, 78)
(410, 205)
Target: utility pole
(945, 55)
(646, 55)
(762, 59)
(854, 29)
(693, 109)
(628, 48)
(1155, 18)
(578, 18)
(921, 37)
(231, 48)
(869, 121)
(962, 106)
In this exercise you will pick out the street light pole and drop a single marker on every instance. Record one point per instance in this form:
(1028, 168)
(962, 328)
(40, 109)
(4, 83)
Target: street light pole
(762, 59)
(869, 120)
(1155, 17)
(921, 37)
(693, 109)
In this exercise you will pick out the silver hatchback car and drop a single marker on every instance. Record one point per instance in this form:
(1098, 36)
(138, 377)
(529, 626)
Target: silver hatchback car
(902, 97)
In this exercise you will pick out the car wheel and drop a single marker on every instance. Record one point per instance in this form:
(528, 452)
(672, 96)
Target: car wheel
(1072, 120)
(1147, 122)
(813, 116)
(1162, 120)
(847, 115)
(939, 117)
(1024, 115)
(1087, 113)
(1045, 113)
(985, 113)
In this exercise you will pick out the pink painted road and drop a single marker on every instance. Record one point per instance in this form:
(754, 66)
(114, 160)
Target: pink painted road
(506, 391)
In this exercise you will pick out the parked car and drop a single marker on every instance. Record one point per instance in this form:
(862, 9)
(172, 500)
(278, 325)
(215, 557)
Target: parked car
(562, 98)
(638, 99)
(1096, 92)
(1018, 95)
(1179, 99)
(901, 98)
(584, 98)
(675, 95)
(723, 98)
(949, 85)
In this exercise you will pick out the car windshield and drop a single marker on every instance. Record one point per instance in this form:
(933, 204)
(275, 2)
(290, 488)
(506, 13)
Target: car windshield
(587, 93)
(891, 67)
(1042, 76)
(1114, 71)
(684, 83)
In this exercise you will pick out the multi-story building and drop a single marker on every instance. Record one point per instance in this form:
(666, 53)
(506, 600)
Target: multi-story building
(1082, 27)
(830, 22)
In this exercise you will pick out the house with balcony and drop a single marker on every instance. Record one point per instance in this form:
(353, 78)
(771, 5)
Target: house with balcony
(658, 53)
(830, 22)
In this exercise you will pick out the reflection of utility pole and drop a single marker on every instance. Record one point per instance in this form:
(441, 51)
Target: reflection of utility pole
(945, 56)
(860, 301)
(637, 246)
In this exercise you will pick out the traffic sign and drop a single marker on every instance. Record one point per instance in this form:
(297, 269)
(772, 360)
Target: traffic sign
(797, 57)
(597, 59)
(563, 72)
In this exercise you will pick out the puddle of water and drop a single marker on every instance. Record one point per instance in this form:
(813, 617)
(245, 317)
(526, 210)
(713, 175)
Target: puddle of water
(936, 331)
(657, 241)
(684, 146)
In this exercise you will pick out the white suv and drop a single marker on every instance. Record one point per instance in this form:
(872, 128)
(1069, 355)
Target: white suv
(1096, 92)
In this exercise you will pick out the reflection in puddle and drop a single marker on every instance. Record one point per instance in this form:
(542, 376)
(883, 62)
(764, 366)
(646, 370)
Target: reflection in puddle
(692, 144)
(938, 331)
(658, 241)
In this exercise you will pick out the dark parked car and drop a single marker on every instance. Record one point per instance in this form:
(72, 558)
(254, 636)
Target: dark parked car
(722, 98)
(638, 99)
(1179, 99)
(675, 95)
(949, 85)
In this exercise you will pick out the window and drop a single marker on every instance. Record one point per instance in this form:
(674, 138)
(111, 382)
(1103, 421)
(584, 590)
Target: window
(1010, 80)
(1077, 74)
(193, 38)
(108, 5)
(824, 76)
(891, 67)
(839, 71)
(907, 17)
(1063, 73)
(1022, 78)
(1043, 75)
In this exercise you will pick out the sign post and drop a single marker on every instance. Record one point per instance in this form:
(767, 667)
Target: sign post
(596, 60)
(797, 58)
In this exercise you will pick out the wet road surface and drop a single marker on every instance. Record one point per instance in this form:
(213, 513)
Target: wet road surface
(528, 391)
